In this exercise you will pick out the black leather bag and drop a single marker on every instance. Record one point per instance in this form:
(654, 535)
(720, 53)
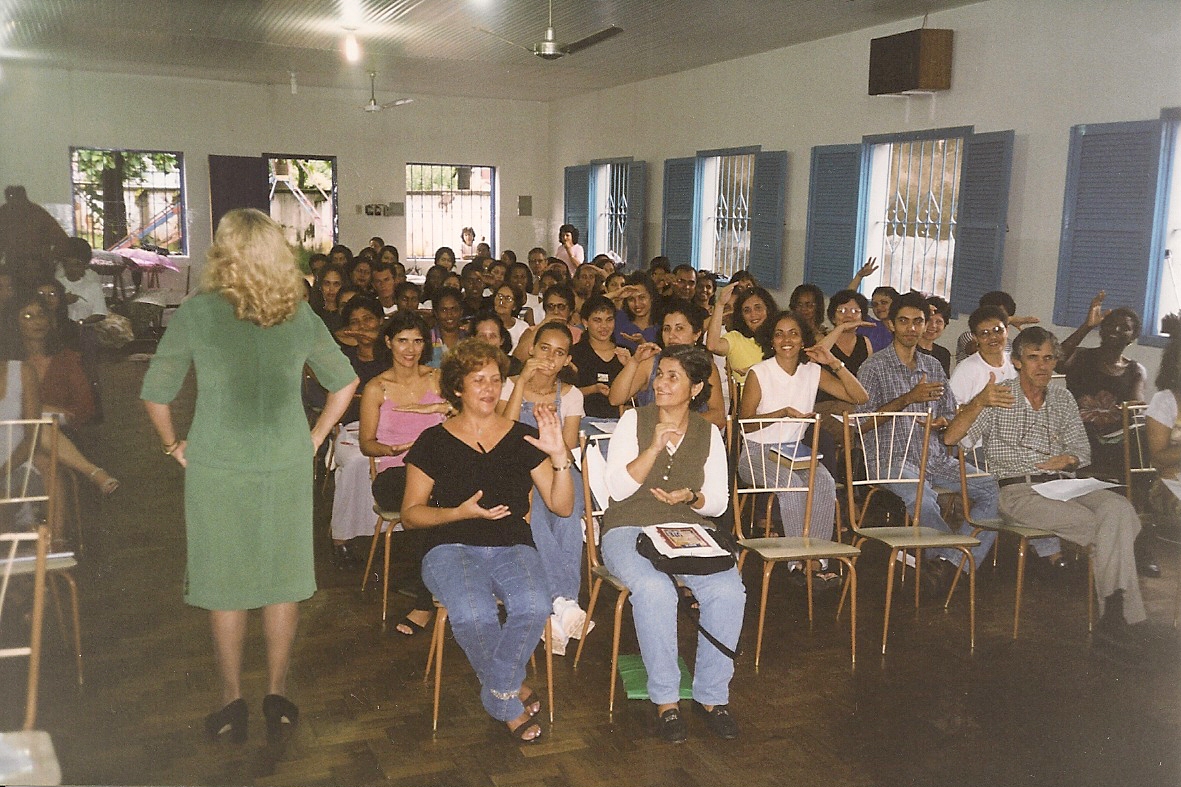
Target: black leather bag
(691, 565)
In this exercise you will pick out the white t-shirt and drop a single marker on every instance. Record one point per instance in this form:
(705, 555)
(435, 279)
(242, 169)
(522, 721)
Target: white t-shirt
(971, 375)
(89, 290)
(1163, 408)
(779, 389)
(573, 259)
(519, 327)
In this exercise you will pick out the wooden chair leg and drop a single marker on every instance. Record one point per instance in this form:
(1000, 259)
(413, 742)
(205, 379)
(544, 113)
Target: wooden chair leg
(851, 583)
(1022, 546)
(372, 552)
(385, 576)
(615, 651)
(441, 621)
(590, 611)
(768, 567)
(890, 596)
(549, 665)
(1090, 589)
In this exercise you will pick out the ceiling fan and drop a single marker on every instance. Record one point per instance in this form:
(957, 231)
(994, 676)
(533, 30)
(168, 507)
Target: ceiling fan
(373, 106)
(549, 48)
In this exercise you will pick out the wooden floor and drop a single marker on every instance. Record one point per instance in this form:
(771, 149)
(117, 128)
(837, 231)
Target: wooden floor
(1045, 710)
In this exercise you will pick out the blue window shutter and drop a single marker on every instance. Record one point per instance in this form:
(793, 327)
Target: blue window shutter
(676, 241)
(577, 202)
(767, 217)
(981, 218)
(1108, 217)
(834, 187)
(637, 214)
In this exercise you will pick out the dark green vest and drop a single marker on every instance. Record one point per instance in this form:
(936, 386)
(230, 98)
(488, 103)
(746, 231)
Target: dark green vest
(684, 469)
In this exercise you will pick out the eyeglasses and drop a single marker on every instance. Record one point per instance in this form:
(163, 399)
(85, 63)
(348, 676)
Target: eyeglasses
(505, 297)
(984, 333)
(557, 306)
(848, 310)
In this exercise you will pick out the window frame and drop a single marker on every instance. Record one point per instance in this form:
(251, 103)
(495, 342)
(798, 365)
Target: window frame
(580, 196)
(493, 198)
(182, 217)
(836, 244)
(684, 213)
(335, 161)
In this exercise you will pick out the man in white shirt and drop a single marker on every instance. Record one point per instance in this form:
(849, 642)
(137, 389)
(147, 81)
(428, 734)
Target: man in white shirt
(84, 290)
(384, 282)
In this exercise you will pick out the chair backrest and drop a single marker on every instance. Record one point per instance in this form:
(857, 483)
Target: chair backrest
(771, 452)
(15, 560)
(594, 489)
(895, 435)
(24, 492)
(1137, 457)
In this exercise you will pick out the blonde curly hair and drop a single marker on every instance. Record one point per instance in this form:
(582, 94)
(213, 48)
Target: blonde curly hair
(252, 266)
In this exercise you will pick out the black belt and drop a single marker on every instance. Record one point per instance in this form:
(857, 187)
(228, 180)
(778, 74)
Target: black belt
(1029, 479)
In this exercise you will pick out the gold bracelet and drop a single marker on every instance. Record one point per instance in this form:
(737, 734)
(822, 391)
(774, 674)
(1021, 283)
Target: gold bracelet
(567, 466)
(171, 447)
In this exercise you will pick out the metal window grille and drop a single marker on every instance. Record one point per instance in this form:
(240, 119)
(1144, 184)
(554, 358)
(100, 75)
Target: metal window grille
(303, 201)
(611, 227)
(725, 242)
(918, 220)
(443, 199)
(1169, 286)
(129, 198)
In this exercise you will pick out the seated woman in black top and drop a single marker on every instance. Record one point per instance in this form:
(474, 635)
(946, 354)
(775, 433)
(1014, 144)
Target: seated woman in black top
(468, 483)
(597, 359)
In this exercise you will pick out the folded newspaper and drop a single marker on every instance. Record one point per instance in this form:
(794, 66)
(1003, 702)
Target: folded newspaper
(684, 540)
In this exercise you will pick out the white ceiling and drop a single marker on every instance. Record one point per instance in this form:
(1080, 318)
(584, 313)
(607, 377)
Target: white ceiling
(425, 47)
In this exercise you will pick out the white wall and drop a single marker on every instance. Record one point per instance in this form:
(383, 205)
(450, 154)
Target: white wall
(43, 112)
(1035, 66)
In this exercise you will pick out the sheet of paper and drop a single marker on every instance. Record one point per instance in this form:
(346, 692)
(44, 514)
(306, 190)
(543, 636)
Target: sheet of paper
(1070, 488)
(1173, 486)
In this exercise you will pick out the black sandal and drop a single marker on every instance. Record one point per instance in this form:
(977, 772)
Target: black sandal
(531, 699)
(519, 731)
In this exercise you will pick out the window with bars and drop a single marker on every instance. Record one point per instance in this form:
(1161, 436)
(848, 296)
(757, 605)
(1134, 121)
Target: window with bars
(129, 198)
(725, 203)
(911, 226)
(442, 200)
(610, 209)
(303, 200)
(930, 205)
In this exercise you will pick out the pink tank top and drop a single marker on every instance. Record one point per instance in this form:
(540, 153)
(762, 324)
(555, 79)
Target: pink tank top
(395, 427)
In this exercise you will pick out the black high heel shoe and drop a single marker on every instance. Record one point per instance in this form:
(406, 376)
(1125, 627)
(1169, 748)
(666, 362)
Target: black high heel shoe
(279, 711)
(229, 720)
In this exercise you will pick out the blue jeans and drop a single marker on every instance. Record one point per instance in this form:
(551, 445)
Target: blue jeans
(722, 597)
(559, 542)
(468, 580)
(983, 494)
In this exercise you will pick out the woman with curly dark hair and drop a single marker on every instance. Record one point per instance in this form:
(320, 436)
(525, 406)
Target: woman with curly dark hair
(468, 484)
(750, 310)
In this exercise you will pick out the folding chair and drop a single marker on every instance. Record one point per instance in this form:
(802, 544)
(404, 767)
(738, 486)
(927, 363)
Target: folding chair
(977, 458)
(774, 471)
(26, 498)
(594, 468)
(896, 435)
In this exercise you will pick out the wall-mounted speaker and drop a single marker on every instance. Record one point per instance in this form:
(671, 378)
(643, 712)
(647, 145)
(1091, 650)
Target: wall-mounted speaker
(917, 60)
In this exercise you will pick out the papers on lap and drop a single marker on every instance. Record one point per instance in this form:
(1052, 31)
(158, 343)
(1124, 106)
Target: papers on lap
(684, 540)
(1069, 488)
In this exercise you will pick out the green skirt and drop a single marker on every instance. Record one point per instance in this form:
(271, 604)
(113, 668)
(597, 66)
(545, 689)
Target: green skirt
(249, 536)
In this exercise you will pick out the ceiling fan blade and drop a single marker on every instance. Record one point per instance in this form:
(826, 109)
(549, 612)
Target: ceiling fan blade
(591, 40)
(502, 38)
(398, 102)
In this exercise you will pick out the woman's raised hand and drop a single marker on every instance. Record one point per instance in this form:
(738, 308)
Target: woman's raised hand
(549, 433)
(664, 434)
(471, 509)
(622, 355)
(821, 355)
(869, 268)
(645, 351)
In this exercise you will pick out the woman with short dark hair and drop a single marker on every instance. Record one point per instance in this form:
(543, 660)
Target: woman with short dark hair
(468, 483)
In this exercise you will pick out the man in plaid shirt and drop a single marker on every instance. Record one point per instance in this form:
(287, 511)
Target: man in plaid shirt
(900, 379)
(1033, 433)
